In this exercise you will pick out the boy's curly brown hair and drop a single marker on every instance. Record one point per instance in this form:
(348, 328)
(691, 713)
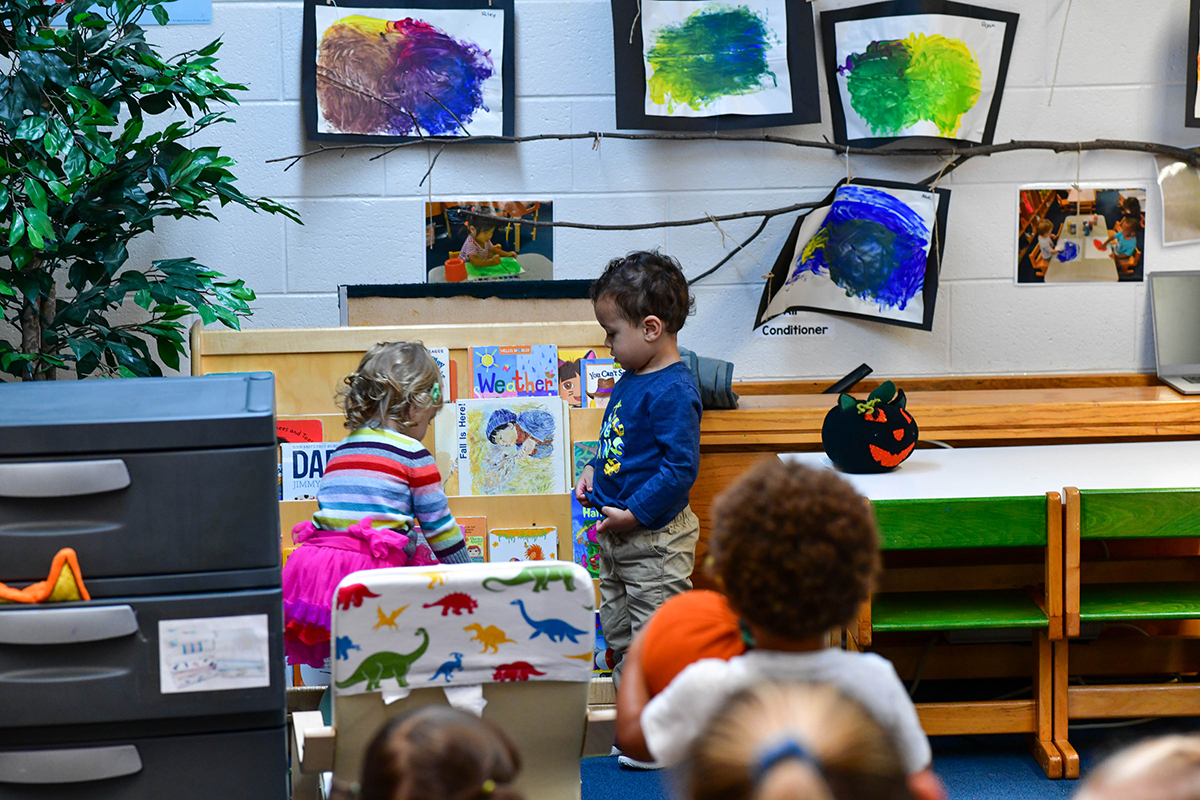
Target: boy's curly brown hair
(796, 548)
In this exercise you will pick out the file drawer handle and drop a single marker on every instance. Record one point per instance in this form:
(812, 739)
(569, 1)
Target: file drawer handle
(46, 626)
(75, 765)
(63, 478)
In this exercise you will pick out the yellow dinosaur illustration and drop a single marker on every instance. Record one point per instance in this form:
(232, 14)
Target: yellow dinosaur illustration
(388, 619)
(435, 578)
(582, 656)
(491, 637)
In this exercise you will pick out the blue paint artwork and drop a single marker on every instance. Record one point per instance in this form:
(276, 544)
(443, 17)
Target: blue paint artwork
(180, 12)
(1069, 252)
(872, 245)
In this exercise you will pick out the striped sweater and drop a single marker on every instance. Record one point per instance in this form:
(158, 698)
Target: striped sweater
(391, 478)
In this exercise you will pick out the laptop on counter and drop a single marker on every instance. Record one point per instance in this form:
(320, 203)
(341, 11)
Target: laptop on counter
(1175, 308)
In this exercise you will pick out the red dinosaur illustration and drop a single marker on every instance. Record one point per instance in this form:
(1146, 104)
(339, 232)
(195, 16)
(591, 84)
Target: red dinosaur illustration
(516, 671)
(456, 602)
(353, 595)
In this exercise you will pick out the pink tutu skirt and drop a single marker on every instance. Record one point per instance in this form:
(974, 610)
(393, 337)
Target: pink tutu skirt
(314, 570)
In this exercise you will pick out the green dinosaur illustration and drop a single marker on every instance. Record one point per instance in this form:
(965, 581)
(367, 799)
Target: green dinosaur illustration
(382, 665)
(541, 577)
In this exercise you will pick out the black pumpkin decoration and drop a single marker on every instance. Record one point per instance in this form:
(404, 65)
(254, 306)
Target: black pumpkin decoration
(873, 436)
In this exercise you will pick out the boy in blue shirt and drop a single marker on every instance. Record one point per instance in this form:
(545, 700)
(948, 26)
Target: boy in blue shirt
(649, 451)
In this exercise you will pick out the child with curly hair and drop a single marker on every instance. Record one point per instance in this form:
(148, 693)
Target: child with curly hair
(436, 753)
(791, 741)
(379, 484)
(797, 552)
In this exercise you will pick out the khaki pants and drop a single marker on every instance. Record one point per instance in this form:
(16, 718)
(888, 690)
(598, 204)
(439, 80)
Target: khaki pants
(639, 570)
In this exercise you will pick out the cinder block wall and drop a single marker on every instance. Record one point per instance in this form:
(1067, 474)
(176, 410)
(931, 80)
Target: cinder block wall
(1121, 76)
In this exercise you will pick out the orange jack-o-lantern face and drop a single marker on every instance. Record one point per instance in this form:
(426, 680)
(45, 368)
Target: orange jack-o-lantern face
(871, 436)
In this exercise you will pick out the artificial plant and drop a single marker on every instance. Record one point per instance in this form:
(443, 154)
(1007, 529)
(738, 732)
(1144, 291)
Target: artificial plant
(83, 171)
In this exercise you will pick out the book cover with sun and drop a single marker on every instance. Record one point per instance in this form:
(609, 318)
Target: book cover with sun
(523, 544)
(525, 371)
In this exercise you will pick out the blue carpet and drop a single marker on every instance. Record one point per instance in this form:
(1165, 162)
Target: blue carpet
(972, 767)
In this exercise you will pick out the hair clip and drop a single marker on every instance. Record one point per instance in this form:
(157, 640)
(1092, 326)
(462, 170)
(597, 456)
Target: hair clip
(436, 393)
(784, 750)
(488, 787)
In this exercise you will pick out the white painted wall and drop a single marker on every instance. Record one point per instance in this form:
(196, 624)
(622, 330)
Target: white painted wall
(1121, 76)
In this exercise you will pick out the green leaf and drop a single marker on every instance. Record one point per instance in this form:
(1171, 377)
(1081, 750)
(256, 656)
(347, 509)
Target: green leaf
(210, 48)
(60, 191)
(75, 164)
(17, 230)
(38, 219)
(36, 194)
(160, 14)
(32, 128)
(143, 298)
(206, 314)
(35, 237)
(3, 196)
(169, 352)
(6, 289)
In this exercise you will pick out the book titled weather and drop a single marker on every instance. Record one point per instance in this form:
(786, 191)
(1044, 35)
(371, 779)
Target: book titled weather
(524, 371)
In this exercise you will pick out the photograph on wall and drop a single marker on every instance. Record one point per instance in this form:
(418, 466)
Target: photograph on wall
(1179, 184)
(1090, 234)
(916, 69)
(380, 71)
(511, 446)
(713, 65)
(1191, 111)
(461, 244)
(871, 250)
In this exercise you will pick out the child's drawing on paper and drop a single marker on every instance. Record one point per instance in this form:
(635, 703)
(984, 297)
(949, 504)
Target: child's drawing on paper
(511, 446)
(523, 544)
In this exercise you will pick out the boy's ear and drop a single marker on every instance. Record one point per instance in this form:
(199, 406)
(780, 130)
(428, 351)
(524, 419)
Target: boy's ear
(652, 328)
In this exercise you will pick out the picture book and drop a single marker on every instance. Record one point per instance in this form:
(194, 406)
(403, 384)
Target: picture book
(570, 375)
(524, 371)
(602, 655)
(511, 446)
(299, 430)
(585, 549)
(600, 375)
(303, 467)
(449, 372)
(475, 533)
(522, 544)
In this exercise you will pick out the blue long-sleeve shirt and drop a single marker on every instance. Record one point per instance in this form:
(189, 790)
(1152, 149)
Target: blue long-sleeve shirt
(649, 453)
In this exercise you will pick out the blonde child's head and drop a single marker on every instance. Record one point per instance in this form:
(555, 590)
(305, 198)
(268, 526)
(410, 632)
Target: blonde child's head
(1166, 768)
(396, 384)
(777, 741)
(796, 549)
(438, 753)
(1044, 227)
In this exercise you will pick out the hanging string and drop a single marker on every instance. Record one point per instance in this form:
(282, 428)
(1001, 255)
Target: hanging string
(1062, 38)
(849, 175)
(636, 17)
(1078, 189)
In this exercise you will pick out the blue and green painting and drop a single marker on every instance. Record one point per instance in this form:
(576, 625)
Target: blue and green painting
(873, 245)
(894, 84)
(717, 51)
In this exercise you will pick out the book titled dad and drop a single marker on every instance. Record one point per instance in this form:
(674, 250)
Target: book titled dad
(523, 371)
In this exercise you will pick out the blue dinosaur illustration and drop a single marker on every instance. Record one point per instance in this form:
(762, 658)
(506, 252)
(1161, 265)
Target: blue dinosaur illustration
(446, 670)
(555, 629)
(344, 646)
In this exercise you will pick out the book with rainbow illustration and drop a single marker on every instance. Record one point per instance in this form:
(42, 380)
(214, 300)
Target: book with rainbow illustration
(585, 550)
(522, 544)
(521, 371)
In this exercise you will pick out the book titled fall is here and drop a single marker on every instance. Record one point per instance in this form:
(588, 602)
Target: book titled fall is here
(524, 371)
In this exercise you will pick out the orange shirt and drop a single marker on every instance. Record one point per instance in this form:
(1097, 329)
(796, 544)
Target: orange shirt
(688, 627)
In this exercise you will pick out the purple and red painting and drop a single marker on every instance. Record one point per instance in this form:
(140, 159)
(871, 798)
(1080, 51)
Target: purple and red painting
(406, 72)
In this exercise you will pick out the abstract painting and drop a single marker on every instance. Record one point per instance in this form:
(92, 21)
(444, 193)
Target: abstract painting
(714, 64)
(377, 72)
(870, 250)
(916, 68)
(1080, 234)
(708, 58)
(1191, 112)
(511, 446)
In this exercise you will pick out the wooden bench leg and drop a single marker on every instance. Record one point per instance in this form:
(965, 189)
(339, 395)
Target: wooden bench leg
(1041, 742)
(1061, 719)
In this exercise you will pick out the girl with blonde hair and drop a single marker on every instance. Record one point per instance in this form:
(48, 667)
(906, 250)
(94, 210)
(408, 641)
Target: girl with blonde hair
(379, 484)
(800, 741)
(1165, 768)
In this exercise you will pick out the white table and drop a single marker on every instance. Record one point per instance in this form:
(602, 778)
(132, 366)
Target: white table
(1091, 264)
(1026, 471)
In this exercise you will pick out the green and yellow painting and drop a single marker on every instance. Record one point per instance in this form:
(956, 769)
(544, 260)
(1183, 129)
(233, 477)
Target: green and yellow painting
(895, 84)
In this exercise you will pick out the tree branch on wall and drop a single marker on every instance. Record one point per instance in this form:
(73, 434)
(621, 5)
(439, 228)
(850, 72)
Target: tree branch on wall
(957, 155)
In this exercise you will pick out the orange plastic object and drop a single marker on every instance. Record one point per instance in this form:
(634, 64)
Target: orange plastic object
(456, 270)
(65, 583)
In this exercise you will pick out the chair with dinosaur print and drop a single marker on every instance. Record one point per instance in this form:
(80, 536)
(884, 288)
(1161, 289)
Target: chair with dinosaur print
(519, 633)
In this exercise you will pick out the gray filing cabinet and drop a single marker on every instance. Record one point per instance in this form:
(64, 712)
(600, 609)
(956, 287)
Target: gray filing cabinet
(169, 682)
